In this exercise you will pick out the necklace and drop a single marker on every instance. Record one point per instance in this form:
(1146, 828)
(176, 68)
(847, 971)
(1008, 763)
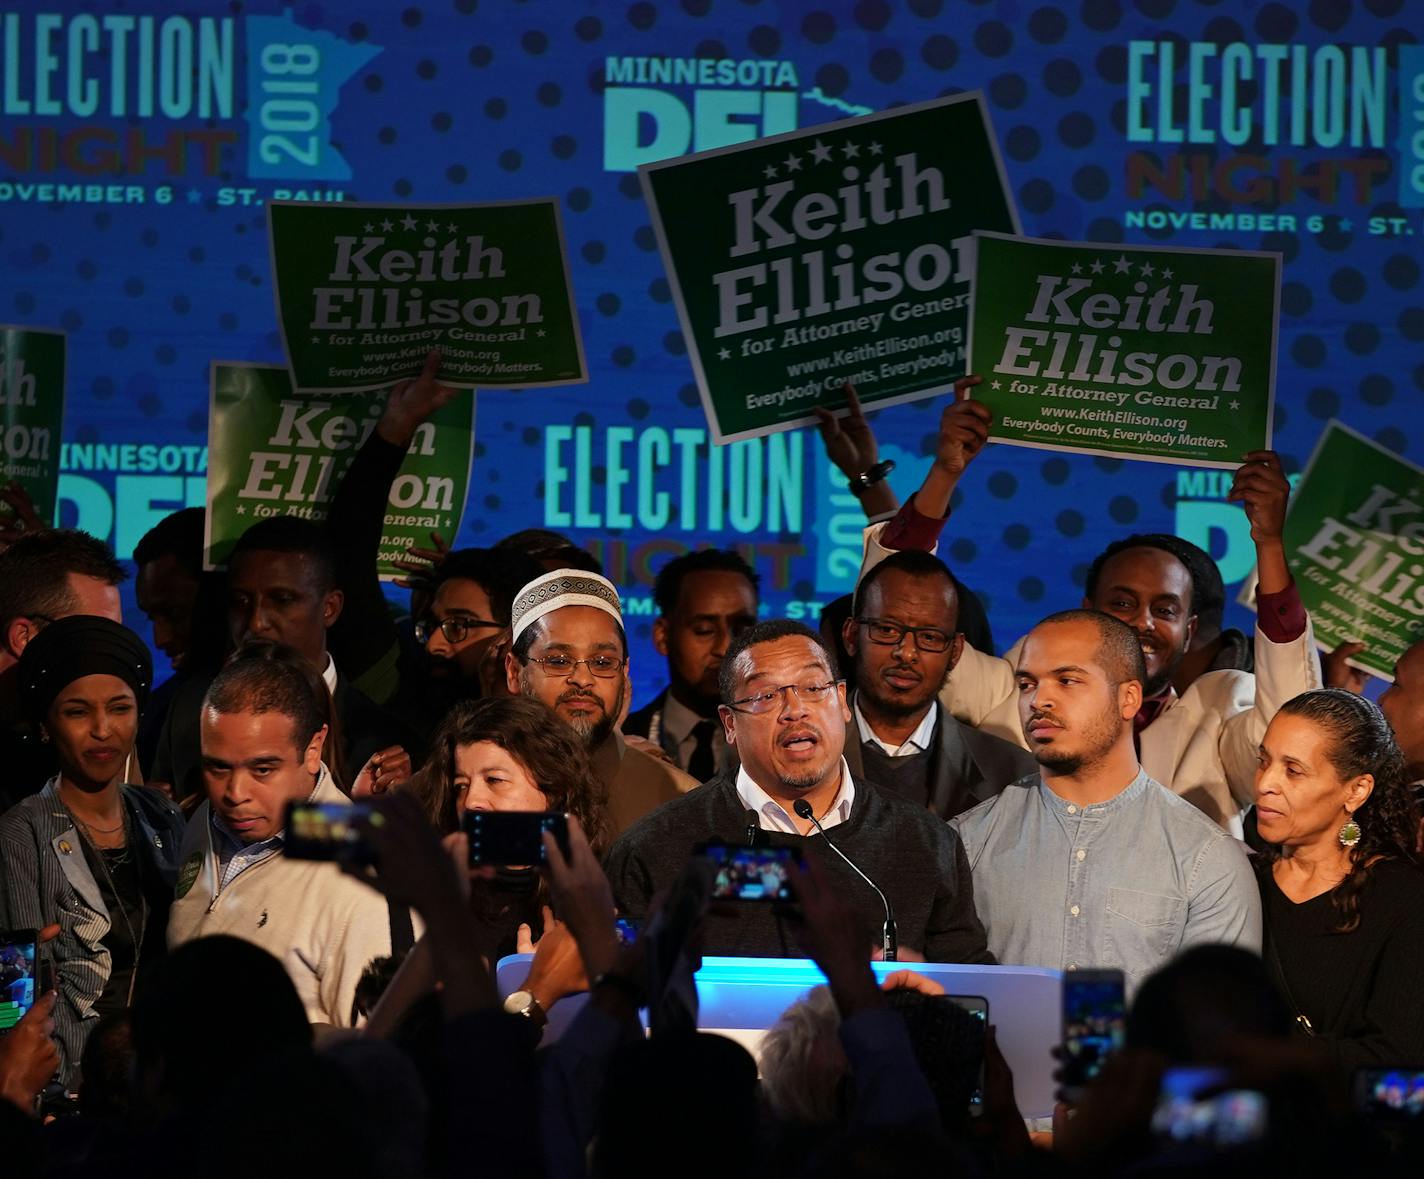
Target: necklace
(136, 939)
(92, 830)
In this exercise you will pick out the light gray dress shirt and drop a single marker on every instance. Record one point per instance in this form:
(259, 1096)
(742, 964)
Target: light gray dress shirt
(1125, 883)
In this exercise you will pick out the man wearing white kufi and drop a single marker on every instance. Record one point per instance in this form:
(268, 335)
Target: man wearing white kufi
(570, 652)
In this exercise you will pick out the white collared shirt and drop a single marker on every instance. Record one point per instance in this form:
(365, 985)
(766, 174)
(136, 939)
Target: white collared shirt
(920, 741)
(773, 816)
(329, 675)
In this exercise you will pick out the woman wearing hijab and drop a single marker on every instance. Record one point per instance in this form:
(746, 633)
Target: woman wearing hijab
(89, 853)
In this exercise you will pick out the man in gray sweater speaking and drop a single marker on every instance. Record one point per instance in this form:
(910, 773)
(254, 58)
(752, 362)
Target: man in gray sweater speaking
(784, 711)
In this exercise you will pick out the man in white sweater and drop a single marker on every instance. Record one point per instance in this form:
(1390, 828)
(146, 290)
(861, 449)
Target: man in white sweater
(263, 727)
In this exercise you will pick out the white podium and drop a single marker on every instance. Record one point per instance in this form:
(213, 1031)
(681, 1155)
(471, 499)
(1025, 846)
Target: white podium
(742, 997)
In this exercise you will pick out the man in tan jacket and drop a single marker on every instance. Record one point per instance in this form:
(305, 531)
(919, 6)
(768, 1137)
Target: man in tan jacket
(569, 651)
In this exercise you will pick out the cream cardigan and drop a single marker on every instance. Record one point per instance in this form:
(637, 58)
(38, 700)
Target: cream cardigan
(323, 925)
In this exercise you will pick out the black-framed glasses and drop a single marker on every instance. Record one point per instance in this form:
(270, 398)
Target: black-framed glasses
(771, 698)
(562, 666)
(454, 629)
(889, 634)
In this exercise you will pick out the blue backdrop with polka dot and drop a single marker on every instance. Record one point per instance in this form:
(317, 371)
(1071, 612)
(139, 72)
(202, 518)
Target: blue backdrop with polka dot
(140, 141)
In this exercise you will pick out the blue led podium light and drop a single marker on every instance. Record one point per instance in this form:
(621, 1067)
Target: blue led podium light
(749, 994)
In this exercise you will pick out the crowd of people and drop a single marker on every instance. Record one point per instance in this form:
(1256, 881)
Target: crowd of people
(1129, 787)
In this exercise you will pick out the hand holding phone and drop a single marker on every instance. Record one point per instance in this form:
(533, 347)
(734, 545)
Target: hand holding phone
(330, 831)
(977, 1006)
(1094, 1017)
(19, 975)
(514, 839)
(741, 872)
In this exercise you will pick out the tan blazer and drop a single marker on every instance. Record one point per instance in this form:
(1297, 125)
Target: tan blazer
(637, 782)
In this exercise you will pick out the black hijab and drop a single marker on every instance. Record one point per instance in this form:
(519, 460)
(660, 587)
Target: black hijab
(71, 648)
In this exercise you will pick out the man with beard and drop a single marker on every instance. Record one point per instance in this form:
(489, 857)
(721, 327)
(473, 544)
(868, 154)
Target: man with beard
(464, 634)
(705, 598)
(1092, 863)
(569, 651)
(1201, 744)
(902, 636)
(785, 714)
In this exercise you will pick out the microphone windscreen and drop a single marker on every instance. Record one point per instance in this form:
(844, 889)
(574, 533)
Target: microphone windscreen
(802, 808)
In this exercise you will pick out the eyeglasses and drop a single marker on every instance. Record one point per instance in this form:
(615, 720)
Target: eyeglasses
(454, 629)
(771, 698)
(561, 666)
(889, 634)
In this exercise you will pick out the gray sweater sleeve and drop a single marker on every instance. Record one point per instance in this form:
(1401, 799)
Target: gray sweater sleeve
(955, 933)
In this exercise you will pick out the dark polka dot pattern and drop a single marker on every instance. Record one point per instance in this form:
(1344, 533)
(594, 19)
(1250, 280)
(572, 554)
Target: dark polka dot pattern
(497, 99)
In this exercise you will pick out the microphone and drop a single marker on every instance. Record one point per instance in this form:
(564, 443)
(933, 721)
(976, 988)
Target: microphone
(753, 826)
(889, 944)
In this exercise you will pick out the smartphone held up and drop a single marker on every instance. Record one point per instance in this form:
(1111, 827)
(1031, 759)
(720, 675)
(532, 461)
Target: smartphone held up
(19, 975)
(741, 872)
(1094, 1019)
(514, 839)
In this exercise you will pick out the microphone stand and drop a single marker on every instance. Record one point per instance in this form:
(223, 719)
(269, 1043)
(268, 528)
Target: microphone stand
(889, 944)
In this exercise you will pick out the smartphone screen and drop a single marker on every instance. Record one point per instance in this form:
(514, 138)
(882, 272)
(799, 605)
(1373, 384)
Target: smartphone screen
(1390, 1094)
(19, 984)
(513, 839)
(1196, 1108)
(744, 873)
(1094, 1010)
(978, 1007)
(328, 831)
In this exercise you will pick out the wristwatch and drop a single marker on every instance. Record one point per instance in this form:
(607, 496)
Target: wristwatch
(523, 1003)
(871, 476)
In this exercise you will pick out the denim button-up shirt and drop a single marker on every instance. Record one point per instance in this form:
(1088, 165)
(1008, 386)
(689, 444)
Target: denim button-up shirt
(1125, 883)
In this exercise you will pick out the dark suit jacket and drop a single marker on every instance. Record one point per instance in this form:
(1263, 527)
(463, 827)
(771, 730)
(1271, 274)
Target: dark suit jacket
(640, 723)
(966, 766)
(365, 727)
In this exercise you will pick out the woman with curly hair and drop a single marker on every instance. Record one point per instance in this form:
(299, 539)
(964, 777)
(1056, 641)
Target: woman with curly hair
(1341, 891)
(499, 753)
(508, 753)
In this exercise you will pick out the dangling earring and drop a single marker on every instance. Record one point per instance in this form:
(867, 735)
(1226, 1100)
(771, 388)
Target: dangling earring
(1350, 832)
(44, 736)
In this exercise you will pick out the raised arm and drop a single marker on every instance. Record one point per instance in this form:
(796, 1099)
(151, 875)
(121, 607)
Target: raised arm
(1287, 662)
(851, 446)
(963, 431)
(364, 637)
(888, 1085)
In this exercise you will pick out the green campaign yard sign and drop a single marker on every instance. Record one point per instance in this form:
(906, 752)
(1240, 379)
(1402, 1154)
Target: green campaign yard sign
(833, 254)
(273, 453)
(1355, 535)
(364, 291)
(32, 400)
(1147, 352)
